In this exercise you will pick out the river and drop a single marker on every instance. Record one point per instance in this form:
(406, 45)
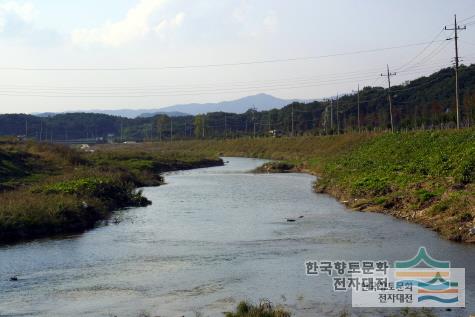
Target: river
(211, 238)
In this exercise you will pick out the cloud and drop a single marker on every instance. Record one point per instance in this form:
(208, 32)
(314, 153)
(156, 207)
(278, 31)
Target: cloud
(241, 12)
(170, 24)
(271, 21)
(252, 21)
(135, 26)
(14, 12)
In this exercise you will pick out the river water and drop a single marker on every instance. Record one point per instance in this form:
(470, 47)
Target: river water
(211, 238)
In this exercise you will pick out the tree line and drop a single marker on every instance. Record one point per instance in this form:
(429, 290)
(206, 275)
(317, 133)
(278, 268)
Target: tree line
(424, 103)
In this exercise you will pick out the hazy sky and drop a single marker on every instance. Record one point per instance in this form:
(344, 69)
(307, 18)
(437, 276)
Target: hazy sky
(61, 55)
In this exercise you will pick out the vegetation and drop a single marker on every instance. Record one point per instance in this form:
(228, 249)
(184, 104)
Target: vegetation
(276, 167)
(424, 177)
(264, 309)
(424, 103)
(51, 189)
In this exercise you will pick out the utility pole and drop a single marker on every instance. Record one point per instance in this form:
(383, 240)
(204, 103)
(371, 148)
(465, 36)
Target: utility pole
(292, 120)
(325, 118)
(225, 125)
(359, 121)
(203, 126)
(254, 121)
(269, 119)
(41, 130)
(171, 129)
(337, 114)
(122, 130)
(389, 74)
(331, 115)
(456, 28)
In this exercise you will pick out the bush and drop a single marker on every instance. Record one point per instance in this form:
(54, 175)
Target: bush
(423, 195)
(371, 185)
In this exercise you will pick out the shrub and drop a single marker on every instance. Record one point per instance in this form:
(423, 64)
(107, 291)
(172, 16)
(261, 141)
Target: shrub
(371, 185)
(264, 309)
(423, 195)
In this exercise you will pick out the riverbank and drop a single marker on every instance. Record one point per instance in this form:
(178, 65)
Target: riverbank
(424, 177)
(50, 189)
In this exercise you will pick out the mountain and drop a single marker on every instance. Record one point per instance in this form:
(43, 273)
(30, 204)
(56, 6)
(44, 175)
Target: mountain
(261, 102)
(423, 103)
(141, 113)
(153, 113)
(126, 113)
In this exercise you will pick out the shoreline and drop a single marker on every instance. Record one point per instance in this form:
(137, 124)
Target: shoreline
(100, 215)
(424, 177)
(82, 191)
(355, 204)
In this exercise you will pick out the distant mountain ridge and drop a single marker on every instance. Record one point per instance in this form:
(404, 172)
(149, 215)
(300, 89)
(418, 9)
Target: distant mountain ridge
(127, 113)
(261, 102)
(427, 102)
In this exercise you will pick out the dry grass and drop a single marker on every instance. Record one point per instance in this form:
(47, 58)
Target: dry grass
(51, 189)
(425, 177)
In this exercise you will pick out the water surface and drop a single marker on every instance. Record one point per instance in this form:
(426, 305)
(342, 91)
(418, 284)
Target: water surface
(211, 238)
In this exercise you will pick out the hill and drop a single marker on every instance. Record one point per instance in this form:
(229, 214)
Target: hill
(423, 103)
(260, 102)
(126, 113)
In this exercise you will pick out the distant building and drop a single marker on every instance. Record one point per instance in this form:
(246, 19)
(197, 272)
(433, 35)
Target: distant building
(86, 148)
(276, 133)
(110, 138)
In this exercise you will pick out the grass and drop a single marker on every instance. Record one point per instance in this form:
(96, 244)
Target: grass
(50, 189)
(263, 309)
(266, 309)
(425, 177)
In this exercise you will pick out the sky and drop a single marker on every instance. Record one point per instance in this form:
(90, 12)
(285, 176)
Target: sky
(65, 55)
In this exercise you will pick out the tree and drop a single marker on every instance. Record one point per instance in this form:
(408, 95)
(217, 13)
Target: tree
(469, 105)
(162, 122)
(200, 128)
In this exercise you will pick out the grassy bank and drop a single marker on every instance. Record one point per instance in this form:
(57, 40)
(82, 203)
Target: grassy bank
(50, 189)
(424, 177)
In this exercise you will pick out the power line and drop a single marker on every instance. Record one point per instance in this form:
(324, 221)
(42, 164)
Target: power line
(51, 92)
(466, 19)
(332, 77)
(422, 51)
(431, 55)
(151, 68)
